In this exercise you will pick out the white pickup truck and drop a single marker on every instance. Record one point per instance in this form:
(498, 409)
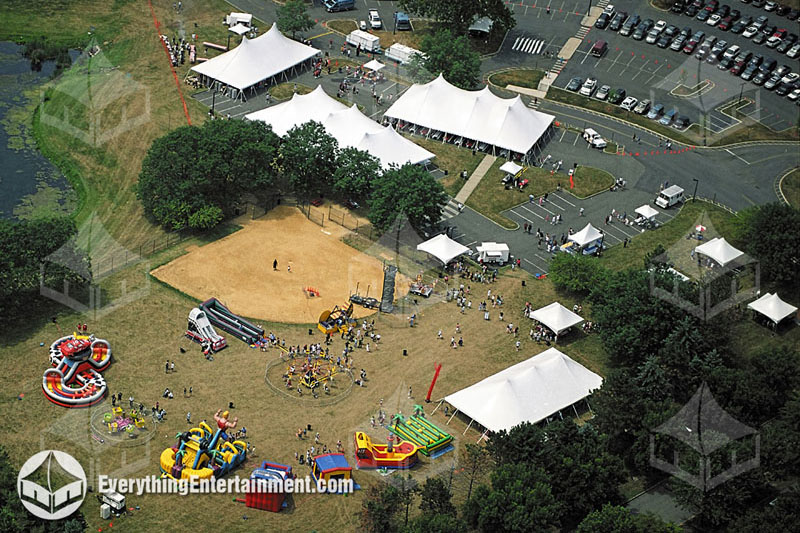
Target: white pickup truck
(594, 138)
(375, 20)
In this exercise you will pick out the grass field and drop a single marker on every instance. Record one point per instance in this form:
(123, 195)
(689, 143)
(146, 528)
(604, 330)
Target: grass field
(451, 158)
(791, 187)
(284, 91)
(529, 78)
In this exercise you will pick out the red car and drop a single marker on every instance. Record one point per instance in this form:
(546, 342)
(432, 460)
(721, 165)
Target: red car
(725, 24)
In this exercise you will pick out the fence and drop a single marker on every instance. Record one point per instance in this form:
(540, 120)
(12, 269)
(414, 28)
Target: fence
(114, 262)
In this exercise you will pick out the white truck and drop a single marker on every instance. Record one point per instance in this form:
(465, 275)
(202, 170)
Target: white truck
(375, 19)
(493, 252)
(367, 41)
(594, 139)
(401, 53)
(670, 196)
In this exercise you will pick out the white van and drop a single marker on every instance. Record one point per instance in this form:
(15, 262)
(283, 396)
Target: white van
(493, 252)
(669, 197)
(594, 138)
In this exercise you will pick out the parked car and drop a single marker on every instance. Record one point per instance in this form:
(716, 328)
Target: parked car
(642, 29)
(787, 43)
(760, 77)
(616, 96)
(652, 36)
(681, 123)
(770, 6)
(749, 72)
(794, 95)
(773, 41)
(783, 10)
(655, 112)
(661, 25)
(618, 20)
(703, 16)
(759, 3)
(741, 24)
(668, 117)
(725, 24)
(772, 82)
(602, 21)
(630, 25)
(588, 87)
(726, 62)
(664, 41)
(719, 47)
(768, 65)
(794, 51)
(713, 20)
(793, 14)
(642, 107)
(732, 52)
(678, 43)
(375, 19)
(575, 84)
(760, 38)
(629, 103)
(750, 31)
(602, 92)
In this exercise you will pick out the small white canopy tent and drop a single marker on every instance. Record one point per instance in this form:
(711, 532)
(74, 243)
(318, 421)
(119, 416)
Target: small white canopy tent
(239, 29)
(556, 317)
(510, 167)
(646, 211)
(442, 248)
(374, 65)
(772, 307)
(719, 250)
(529, 391)
(586, 236)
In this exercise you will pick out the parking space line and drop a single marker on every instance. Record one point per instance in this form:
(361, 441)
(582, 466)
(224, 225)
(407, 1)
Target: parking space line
(619, 228)
(607, 234)
(535, 265)
(575, 141)
(533, 212)
(523, 217)
(563, 199)
(556, 205)
(585, 57)
(562, 135)
(737, 156)
(654, 74)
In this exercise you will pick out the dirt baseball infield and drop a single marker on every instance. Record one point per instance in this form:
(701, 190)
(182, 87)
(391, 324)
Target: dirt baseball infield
(238, 269)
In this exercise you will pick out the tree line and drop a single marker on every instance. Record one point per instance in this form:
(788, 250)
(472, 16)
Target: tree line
(194, 177)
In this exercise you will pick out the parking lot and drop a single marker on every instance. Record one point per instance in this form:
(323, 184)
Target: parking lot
(697, 89)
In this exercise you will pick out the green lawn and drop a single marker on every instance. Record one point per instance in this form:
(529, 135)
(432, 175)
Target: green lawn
(520, 77)
(451, 158)
(344, 26)
(590, 180)
(674, 231)
(791, 187)
(284, 91)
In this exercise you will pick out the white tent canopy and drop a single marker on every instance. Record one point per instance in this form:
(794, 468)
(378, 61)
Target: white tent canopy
(719, 250)
(646, 211)
(477, 115)
(239, 29)
(256, 60)
(529, 391)
(442, 248)
(347, 125)
(587, 235)
(556, 317)
(772, 307)
(374, 65)
(510, 167)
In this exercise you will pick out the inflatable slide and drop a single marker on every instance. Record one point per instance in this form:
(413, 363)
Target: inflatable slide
(221, 317)
(201, 331)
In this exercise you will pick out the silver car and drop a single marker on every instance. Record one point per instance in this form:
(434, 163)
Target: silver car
(602, 92)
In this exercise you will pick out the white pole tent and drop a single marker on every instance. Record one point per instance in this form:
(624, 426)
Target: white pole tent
(239, 29)
(481, 119)
(442, 248)
(349, 126)
(772, 307)
(587, 239)
(646, 211)
(509, 167)
(254, 61)
(556, 317)
(529, 391)
(374, 65)
(719, 250)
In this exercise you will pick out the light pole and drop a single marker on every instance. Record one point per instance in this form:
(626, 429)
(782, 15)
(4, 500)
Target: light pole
(696, 181)
(394, 30)
(590, 8)
(741, 91)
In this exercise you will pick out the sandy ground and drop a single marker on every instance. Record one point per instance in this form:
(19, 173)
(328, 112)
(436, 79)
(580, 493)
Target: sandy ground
(238, 269)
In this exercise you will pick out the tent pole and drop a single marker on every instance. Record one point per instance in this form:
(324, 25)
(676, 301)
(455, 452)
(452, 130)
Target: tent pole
(483, 436)
(451, 418)
(437, 406)
(576, 411)
(588, 405)
(470, 424)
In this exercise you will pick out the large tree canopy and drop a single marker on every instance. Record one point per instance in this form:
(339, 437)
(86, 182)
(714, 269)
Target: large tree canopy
(458, 15)
(292, 16)
(193, 176)
(356, 170)
(308, 159)
(408, 191)
(452, 56)
(772, 235)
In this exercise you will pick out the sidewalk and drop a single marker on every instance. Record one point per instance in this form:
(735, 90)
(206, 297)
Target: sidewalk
(473, 180)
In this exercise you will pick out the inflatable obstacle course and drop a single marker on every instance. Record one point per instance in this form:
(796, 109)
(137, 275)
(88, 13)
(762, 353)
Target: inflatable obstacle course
(221, 317)
(75, 379)
(368, 455)
(416, 429)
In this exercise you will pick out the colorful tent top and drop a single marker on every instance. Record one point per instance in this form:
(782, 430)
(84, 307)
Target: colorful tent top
(478, 115)
(256, 60)
(529, 391)
(772, 307)
(719, 250)
(556, 317)
(646, 211)
(349, 126)
(374, 65)
(443, 248)
(587, 235)
(510, 167)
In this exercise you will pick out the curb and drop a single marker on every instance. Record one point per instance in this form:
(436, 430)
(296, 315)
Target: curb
(779, 183)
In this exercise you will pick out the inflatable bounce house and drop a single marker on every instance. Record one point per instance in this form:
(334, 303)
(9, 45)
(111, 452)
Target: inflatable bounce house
(332, 466)
(266, 487)
(203, 453)
(337, 320)
(369, 455)
(75, 379)
(431, 440)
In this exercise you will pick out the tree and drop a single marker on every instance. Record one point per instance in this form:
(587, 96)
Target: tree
(771, 234)
(292, 16)
(616, 519)
(475, 461)
(356, 171)
(408, 191)
(452, 56)
(459, 15)
(379, 509)
(780, 452)
(308, 159)
(780, 515)
(436, 524)
(435, 498)
(577, 273)
(417, 71)
(726, 502)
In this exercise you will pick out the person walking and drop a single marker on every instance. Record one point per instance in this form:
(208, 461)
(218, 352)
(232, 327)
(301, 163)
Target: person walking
(274, 264)
(580, 212)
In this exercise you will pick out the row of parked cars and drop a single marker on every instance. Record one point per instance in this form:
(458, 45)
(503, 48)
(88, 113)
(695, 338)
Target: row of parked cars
(689, 8)
(590, 89)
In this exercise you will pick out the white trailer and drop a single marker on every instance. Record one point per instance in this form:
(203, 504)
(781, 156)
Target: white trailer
(368, 42)
(493, 252)
(239, 18)
(401, 53)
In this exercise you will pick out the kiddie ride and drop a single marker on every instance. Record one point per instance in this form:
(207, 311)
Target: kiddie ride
(202, 332)
(75, 379)
(117, 421)
(337, 320)
(316, 374)
(203, 453)
(369, 455)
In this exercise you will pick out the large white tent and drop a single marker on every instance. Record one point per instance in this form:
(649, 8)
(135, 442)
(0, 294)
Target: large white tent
(586, 236)
(719, 250)
(349, 126)
(442, 248)
(529, 391)
(500, 124)
(556, 317)
(262, 59)
(772, 307)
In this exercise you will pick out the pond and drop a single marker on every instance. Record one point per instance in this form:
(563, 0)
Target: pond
(30, 185)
